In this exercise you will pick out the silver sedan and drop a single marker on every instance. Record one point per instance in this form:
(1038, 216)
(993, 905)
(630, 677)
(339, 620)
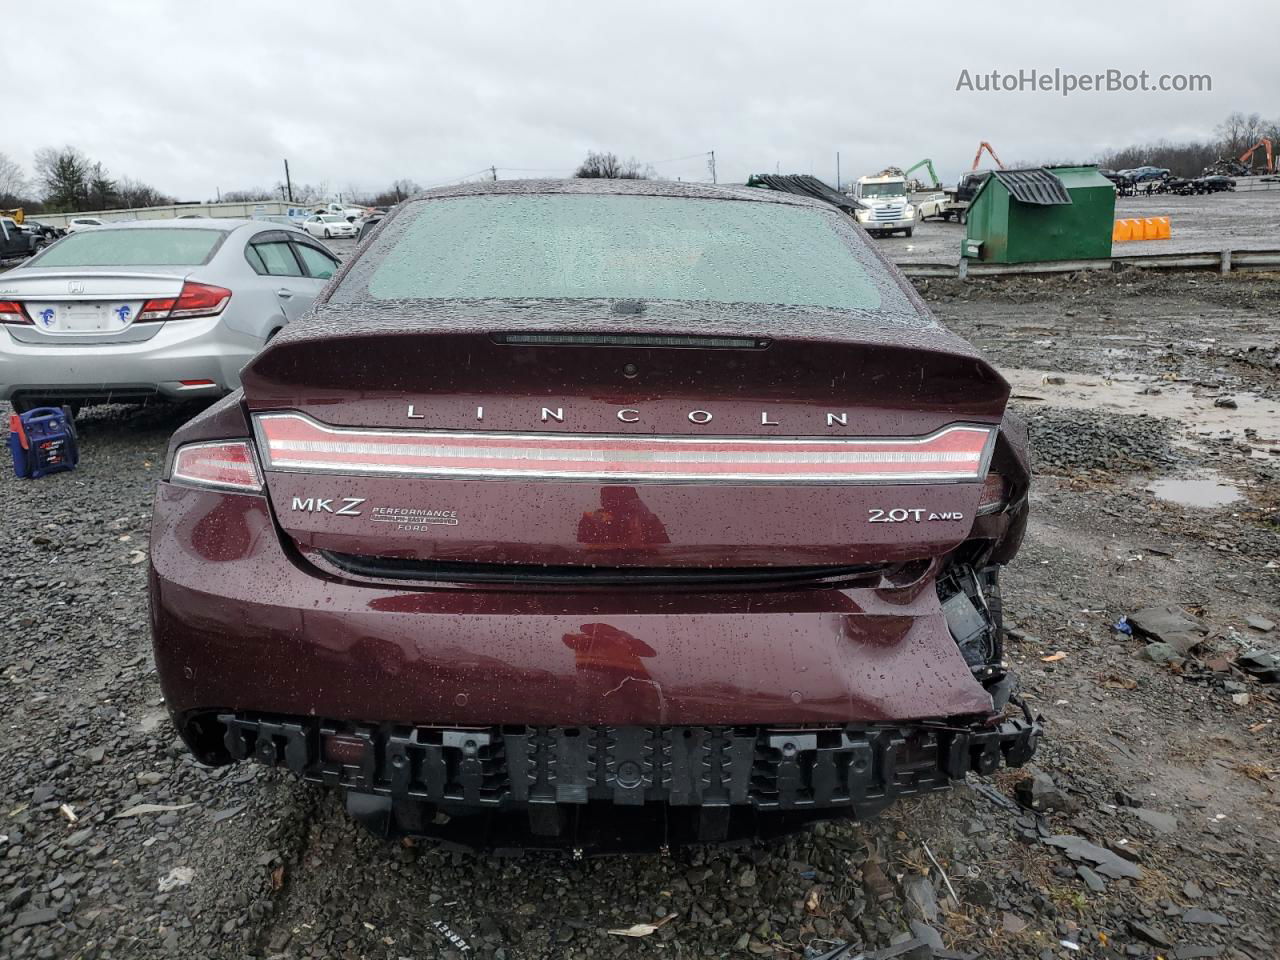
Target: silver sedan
(156, 308)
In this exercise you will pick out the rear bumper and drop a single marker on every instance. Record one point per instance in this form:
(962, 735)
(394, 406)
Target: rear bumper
(200, 349)
(242, 624)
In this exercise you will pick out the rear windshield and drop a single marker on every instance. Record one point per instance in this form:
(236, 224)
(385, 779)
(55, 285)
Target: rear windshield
(105, 247)
(572, 246)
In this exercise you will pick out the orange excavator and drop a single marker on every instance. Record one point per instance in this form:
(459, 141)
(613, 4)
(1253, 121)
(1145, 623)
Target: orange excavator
(958, 197)
(977, 157)
(1265, 143)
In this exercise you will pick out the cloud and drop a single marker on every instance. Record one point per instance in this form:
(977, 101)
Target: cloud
(199, 97)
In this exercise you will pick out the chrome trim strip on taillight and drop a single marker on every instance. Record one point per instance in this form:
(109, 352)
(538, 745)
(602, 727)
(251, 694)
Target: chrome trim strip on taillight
(292, 442)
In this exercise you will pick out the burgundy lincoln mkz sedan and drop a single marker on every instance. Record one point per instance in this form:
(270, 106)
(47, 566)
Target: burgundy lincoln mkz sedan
(600, 515)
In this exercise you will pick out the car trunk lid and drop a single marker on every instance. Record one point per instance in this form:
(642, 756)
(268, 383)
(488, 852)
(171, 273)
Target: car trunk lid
(624, 449)
(86, 305)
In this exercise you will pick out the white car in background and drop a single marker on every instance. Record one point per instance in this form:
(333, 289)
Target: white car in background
(151, 309)
(79, 223)
(329, 225)
(934, 205)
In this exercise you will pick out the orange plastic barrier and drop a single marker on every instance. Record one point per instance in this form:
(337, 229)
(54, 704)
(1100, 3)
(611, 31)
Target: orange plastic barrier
(1141, 228)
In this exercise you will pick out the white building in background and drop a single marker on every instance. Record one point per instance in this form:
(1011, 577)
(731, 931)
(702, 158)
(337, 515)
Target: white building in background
(255, 210)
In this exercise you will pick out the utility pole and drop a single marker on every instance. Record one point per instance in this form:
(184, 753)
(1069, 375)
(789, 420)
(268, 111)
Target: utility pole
(837, 171)
(494, 171)
(712, 163)
(288, 184)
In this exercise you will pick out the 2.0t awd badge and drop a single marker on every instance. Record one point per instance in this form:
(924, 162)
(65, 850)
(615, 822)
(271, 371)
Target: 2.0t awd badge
(911, 515)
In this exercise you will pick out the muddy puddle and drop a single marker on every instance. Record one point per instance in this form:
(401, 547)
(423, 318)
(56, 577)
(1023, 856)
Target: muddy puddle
(1205, 489)
(1254, 420)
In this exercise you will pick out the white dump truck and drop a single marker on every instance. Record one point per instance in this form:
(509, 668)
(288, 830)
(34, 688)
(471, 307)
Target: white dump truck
(887, 209)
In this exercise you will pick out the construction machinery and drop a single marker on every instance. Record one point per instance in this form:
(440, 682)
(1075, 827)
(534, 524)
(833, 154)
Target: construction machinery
(955, 202)
(1265, 144)
(1243, 166)
(977, 157)
(16, 214)
(933, 175)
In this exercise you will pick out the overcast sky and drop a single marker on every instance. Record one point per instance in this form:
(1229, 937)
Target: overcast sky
(195, 97)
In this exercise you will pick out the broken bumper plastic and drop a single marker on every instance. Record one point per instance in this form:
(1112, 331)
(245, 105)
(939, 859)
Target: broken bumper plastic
(504, 767)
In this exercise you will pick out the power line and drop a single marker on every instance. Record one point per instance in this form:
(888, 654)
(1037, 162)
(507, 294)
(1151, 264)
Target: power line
(692, 156)
(451, 180)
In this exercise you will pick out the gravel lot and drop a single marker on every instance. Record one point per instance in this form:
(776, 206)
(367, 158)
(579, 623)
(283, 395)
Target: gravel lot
(1241, 221)
(1167, 767)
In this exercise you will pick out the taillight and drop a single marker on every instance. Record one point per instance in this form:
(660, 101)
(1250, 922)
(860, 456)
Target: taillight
(995, 494)
(294, 442)
(195, 300)
(11, 311)
(156, 310)
(225, 464)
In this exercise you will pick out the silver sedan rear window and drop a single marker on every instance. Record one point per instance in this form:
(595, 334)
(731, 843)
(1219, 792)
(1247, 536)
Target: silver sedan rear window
(132, 248)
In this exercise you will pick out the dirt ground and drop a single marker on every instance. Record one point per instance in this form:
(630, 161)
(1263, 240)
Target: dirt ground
(1162, 776)
(1240, 221)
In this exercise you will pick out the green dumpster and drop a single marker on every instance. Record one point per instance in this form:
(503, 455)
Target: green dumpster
(1043, 213)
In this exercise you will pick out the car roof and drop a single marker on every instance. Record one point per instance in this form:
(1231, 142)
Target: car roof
(223, 224)
(597, 187)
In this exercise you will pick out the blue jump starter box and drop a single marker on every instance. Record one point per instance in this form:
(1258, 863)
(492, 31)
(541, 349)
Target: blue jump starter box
(43, 441)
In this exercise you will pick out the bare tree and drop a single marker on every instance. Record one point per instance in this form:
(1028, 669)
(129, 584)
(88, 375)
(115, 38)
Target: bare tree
(13, 185)
(1183, 159)
(134, 193)
(355, 196)
(608, 166)
(306, 194)
(1239, 132)
(399, 190)
(256, 195)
